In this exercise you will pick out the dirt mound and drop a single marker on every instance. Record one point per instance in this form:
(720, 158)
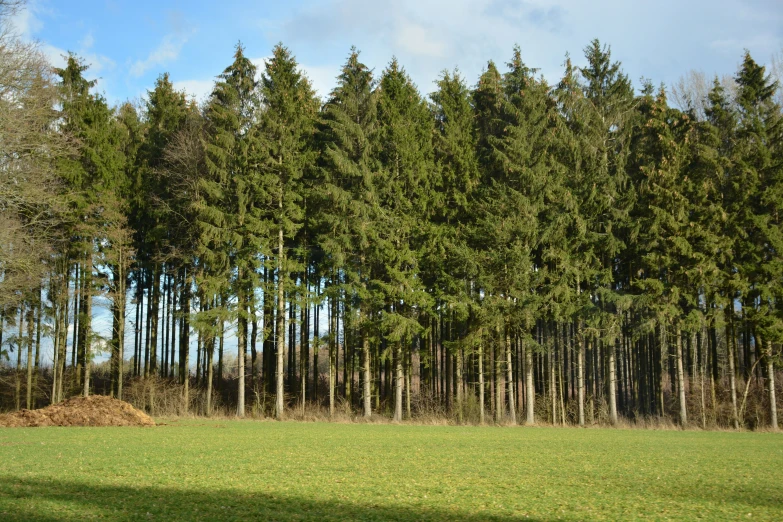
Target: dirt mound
(95, 410)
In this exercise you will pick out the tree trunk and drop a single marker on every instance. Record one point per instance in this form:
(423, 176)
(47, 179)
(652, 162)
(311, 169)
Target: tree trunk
(612, 353)
(87, 328)
(77, 312)
(460, 399)
(500, 388)
(580, 374)
(149, 330)
(241, 346)
(121, 330)
(137, 329)
(512, 409)
(280, 329)
(184, 343)
(20, 340)
(55, 349)
(732, 375)
(154, 320)
(210, 365)
(664, 348)
(64, 309)
(481, 381)
(221, 345)
(552, 383)
(398, 384)
(165, 346)
(701, 369)
(30, 326)
(367, 377)
(316, 341)
(304, 352)
(253, 344)
(173, 322)
(408, 370)
(681, 380)
(115, 339)
(332, 349)
(773, 410)
(530, 393)
(36, 368)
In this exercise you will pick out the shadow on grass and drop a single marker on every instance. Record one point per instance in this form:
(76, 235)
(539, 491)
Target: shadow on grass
(50, 500)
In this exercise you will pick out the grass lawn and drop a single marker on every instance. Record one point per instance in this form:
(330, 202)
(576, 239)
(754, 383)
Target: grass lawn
(250, 470)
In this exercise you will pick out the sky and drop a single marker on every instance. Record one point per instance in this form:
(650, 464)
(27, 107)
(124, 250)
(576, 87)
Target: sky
(128, 44)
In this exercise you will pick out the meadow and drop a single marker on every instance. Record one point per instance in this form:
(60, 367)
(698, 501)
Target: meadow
(212, 469)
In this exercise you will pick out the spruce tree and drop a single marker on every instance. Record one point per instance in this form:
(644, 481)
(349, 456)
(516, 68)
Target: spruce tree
(759, 158)
(95, 175)
(448, 265)
(165, 113)
(403, 186)
(286, 126)
(344, 196)
(665, 256)
(232, 225)
(606, 193)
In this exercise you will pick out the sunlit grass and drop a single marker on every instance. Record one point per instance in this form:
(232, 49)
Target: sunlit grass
(248, 470)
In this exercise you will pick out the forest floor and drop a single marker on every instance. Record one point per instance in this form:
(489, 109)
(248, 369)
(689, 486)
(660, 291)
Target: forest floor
(203, 469)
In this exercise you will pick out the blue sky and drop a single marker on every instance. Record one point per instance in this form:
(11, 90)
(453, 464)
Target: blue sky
(129, 43)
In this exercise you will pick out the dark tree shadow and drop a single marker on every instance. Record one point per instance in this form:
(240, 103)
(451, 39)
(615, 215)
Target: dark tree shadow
(50, 500)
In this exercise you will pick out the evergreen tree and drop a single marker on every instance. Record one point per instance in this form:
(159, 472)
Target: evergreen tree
(404, 191)
(286, 126)
(760, 161)
(606, 193)
(232, 225)
(665, 256)
(488, 100)
(448, 264)
(345, 196)
(96, 176)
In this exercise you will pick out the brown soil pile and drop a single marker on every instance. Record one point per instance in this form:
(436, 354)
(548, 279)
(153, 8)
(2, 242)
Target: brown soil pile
(95, 410)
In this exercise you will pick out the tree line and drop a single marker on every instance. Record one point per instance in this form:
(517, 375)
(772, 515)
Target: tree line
(516, 251)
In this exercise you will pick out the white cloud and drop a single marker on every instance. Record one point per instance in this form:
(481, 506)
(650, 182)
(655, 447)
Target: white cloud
(323, 78)
(417, 40)
(97, 62)
(428, 37)
(166, 52)
(27, 25)
(25, 22)
(54, 55)
(260, 64)
(197, 89)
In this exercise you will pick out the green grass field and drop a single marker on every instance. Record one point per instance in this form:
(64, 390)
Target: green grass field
(247, 470)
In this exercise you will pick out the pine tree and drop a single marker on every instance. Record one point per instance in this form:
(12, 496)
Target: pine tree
(572, 150)
(722, 121)
(759, 155)
(404, 190)
(665, 256)
(96, 176)
(448, 265)
(286, 126)
(185, 171)
(232, 225)
(344, 195)
(488, 100)
(606, 194)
